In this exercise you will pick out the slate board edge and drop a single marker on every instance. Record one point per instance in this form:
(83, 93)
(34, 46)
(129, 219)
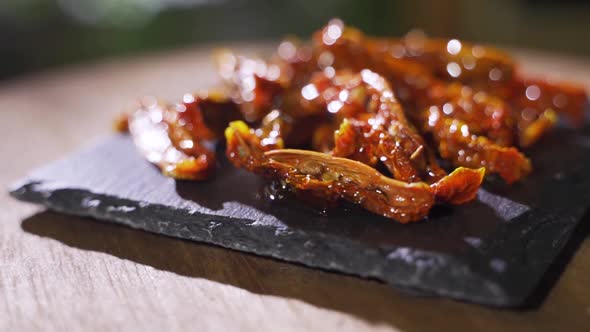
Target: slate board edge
(443, 279)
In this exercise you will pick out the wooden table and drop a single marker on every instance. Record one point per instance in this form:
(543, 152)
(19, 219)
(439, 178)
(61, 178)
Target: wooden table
(66, 273)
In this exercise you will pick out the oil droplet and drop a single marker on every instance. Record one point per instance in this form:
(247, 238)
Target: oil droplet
(533, 92)
(310, 92)
(454, 46)
(495, 74)
(454, 69)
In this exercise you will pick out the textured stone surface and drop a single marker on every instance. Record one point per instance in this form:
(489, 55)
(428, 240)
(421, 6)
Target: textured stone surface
(493, 251)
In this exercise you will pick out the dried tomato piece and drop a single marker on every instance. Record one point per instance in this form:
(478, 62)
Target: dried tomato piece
(358, 140)
(326, 176)
(252, 83)
(451, 59)
(456, 143)
(174, 136)
(537, 95)
(416, 84)
(373, 125)
(485, 114)
(536, 104)
(171, 147)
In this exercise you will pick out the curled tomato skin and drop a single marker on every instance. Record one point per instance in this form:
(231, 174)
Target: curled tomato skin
(460, 186)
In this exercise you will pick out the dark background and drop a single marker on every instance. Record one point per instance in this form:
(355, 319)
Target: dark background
(38, 34)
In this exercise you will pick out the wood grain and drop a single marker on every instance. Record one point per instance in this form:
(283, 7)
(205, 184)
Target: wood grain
(66, 273)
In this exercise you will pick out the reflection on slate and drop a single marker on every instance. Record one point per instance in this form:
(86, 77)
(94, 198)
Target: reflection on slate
(492, 251)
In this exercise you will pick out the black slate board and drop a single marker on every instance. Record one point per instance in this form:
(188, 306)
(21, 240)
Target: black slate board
(493, 251)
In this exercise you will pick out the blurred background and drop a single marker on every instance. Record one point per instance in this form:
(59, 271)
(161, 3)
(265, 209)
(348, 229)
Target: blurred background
(40, 34)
